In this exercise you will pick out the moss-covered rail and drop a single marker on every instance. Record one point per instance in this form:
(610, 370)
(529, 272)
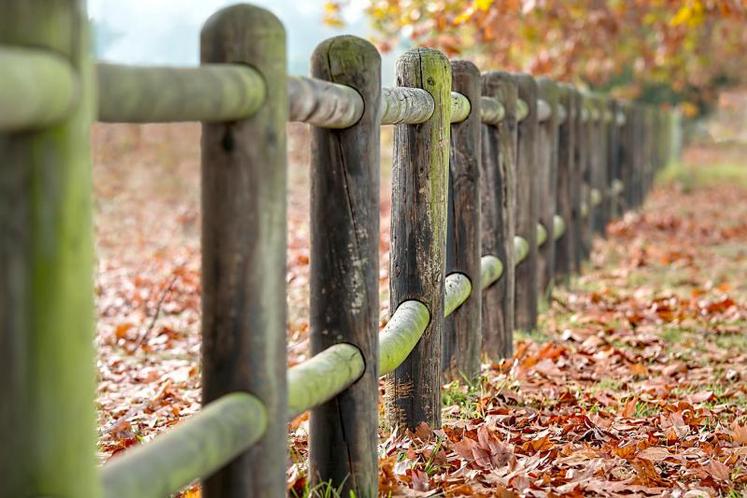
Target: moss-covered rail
(500, 181)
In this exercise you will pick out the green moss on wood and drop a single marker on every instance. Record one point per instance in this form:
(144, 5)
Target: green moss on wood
(38, 88)
(151, 94)
(193, 449)
(457, 289)
(323, 376)
(521, 249)
(491, 269)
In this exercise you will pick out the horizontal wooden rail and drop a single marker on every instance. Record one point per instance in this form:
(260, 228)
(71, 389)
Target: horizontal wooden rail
(595, 197)
(404, 105)
(460, 107)
(457, 289)
(521, 249)
(541, 234)
(617, 187)
(323, 103)
(522, 109)
(491, 269)
(38, 88)
(153, 94)
(225, 92)
(558, 227)
(192, 450)
(401, 334)
(323, 376)
(492, 110)
(544, 110)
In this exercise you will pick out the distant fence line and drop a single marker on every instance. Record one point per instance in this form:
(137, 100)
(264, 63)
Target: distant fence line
(499, 182)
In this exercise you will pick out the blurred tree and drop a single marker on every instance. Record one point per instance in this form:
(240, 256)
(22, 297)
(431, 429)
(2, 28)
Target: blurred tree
(667, 51)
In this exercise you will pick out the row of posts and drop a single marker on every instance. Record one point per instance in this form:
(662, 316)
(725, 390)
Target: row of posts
(459, 192)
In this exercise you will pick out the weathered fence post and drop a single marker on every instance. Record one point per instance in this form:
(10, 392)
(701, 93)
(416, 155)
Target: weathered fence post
(639, 134)
(345, 268)
(462, 331)
(598, 172)
(527, 205)
(244, 249)
(587, 154)
(497, 196)
(547, 174)
(418, 240)
(47, 418)
(613, 160)
(578, 189)
(626, 154)
(564, 247)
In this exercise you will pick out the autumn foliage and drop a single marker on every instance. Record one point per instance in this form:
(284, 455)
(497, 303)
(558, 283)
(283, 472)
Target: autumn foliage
(660, 50)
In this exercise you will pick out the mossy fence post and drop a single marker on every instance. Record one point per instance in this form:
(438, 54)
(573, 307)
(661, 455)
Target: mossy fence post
(577, 179)
(345, 268)
(244, 249)
(498, 199)
(564, 246)
(527, 205)
(462, 330)
(418, 237)
(613, 160)
(547, 175)
(47, 417)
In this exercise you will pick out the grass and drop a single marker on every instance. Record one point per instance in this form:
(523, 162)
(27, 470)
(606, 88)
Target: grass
(464, 395)
(688, 177)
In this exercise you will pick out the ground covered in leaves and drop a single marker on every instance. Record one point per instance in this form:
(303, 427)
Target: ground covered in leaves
(635, 383)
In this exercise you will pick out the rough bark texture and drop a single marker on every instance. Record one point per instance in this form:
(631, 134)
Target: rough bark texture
(243, 250)
(462, 332)
(527, 205)
(418, 240)
(547, 176)
(584, 147)
(47, 416)
(345, 268)
(564, 246)
(598, 176)
(613, 160)
(497, 196)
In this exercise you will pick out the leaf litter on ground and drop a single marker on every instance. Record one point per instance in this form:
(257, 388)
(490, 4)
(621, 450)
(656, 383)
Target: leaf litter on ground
(633, 385)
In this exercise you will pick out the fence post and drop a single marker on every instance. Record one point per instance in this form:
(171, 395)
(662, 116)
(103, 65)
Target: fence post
(547, 163)
(462, 329)
(497, 196)
(613, 160)
(418, 239)
(564, 247)
(587, 146)
(598, 172)
(244, 249)
(638, 153)
(626, 155)
(47, 418)
(527, 205)
(345, 268)
(578, 189)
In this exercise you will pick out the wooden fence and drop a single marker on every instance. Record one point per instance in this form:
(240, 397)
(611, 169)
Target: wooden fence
(499, 182)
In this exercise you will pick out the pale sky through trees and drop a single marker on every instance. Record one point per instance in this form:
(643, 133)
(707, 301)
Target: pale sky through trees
(167, 31)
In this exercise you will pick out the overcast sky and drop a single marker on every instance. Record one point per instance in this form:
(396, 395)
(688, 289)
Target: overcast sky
(167, 31)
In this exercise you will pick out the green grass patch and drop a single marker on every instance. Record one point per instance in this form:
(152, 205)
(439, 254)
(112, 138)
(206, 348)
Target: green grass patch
(690, 177)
